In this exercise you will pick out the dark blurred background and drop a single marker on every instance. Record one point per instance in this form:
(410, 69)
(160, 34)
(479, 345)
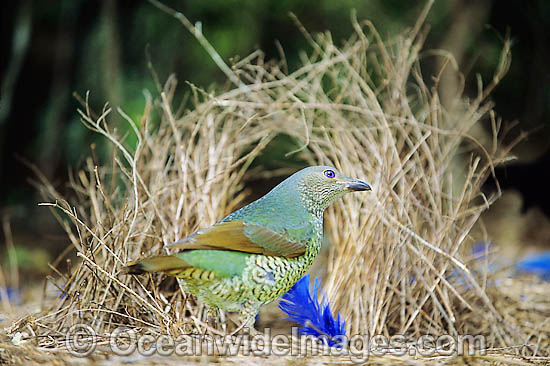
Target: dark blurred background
(51, 49)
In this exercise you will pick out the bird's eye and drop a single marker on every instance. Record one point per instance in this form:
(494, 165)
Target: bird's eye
(329, 173)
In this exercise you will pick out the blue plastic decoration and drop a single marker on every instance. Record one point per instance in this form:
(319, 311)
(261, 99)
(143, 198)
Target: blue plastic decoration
(13, 294)
(537, 264)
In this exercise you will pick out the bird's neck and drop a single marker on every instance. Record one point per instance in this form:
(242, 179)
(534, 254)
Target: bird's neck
(314, 245)
(310, 201)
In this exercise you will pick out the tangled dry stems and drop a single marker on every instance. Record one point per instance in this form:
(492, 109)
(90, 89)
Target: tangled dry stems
(397, 260)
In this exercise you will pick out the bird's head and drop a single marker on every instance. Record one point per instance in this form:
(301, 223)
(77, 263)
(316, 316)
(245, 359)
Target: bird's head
(319, 186)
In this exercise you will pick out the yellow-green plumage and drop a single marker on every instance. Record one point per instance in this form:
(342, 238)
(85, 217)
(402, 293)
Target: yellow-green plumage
(257, 253)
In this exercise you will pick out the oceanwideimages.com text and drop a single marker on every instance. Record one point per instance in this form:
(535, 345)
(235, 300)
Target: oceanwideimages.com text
(81, 340)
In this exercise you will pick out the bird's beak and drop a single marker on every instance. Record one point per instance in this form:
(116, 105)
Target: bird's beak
(357, 185)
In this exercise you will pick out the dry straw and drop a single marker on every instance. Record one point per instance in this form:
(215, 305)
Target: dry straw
(395, 263)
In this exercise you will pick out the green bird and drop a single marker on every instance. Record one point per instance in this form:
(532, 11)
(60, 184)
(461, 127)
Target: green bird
(256, 253)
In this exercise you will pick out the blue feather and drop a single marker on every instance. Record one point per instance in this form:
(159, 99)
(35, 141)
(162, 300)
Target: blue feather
(315, 318)
(538, 264)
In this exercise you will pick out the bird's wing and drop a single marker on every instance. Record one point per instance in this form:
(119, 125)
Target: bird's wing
(239, 236)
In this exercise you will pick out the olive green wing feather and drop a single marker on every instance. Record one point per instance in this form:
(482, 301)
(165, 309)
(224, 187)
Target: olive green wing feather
(194, 264)
(156, 264)
(237, 235)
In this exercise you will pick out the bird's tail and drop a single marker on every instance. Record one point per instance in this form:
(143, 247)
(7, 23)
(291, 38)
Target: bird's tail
(156, 264)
